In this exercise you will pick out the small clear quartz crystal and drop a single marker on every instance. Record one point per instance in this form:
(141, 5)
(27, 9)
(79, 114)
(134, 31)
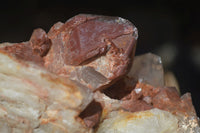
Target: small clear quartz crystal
(148, 69)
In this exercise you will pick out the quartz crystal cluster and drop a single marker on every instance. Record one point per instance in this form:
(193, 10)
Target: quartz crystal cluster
(146, 104)
(82, 77)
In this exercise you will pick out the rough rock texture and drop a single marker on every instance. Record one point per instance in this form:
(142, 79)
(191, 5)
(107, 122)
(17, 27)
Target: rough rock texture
(32, 50)
(22, 51)
(151, 121)
(139, 116)
(34, 100)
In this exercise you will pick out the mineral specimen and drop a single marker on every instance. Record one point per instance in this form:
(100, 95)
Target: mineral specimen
(53, 75)
(79, 78)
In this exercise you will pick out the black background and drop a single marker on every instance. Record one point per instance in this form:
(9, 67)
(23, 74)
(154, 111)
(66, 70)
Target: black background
(160, 22)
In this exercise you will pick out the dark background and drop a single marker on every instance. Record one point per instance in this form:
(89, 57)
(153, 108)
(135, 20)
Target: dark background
(168, 28)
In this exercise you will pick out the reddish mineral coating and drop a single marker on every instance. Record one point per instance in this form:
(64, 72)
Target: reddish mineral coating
(91, 115)
(33, 50)
(144, 97)
(168, 99)
(40, 43)
(85, 38)
(134, 101)
(120, 89)
(23, 51)
(136, 105)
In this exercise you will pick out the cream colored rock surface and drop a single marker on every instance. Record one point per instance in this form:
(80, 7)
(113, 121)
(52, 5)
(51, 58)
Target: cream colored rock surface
(151, 121)
(33, 100)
